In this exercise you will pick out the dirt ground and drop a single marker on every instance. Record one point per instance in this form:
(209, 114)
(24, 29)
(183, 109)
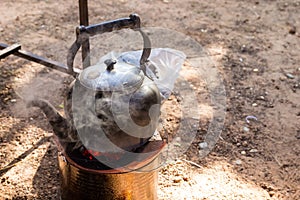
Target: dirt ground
(255, 45)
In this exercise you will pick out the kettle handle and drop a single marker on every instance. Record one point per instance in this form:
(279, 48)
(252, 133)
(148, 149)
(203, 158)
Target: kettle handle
(84, 32)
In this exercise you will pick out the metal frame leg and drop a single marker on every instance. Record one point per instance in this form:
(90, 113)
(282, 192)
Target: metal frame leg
(84, 20)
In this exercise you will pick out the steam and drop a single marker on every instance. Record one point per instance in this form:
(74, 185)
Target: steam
(44, 85)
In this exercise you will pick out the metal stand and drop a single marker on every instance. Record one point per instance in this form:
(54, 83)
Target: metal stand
(84, 20)
(15, 49)
(83, 33)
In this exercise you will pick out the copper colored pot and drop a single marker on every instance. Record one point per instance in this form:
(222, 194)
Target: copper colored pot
(140, 182)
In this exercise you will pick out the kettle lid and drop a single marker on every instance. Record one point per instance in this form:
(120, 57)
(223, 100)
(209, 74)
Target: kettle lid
(112, 75)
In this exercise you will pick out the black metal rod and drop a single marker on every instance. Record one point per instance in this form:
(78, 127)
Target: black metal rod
(83, 32)
(84, 20)
(132, 22)
(9, 50)
(43, 61)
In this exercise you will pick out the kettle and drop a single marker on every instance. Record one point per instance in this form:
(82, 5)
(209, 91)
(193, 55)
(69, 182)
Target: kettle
(112, 105)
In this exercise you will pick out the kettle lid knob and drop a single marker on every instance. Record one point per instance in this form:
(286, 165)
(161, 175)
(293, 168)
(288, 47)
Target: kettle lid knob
(110, 64)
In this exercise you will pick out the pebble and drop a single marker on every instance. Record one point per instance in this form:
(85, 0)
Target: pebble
(246, 129)
(243, 152)
(282, 78)
(292, 30)
(253, 151)
(203, 145)
(290, 76)
(245, 143)
(177, 179)
(255, 70)
(254, 104)
(176, 144)
(243, 48)
(178, 139)
(13, 100)
(271, 193)
(2, 180)
(1, 29)
(298, 135)
(178, 162)
(238, 162)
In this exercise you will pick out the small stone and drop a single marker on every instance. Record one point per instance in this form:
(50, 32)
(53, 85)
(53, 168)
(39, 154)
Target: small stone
(243, 48)
(255, 70)
(177, 179)
(254, 104)
(238, 162)
(241, 59)
(178, 139)
(243, 152)
(253, 151)
(298, 135)
(1, 29)
(282, 78)
(176, 144)
(292, 30)
(271, 193)
(290, 76)
(13, 100)
(246, 129)
(203, 145)
(178, 162)
(245, 143)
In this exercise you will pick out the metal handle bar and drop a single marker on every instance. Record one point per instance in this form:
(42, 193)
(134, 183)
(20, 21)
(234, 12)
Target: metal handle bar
(84, 32)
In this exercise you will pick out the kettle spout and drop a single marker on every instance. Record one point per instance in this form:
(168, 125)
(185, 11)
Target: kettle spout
(59, 124)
